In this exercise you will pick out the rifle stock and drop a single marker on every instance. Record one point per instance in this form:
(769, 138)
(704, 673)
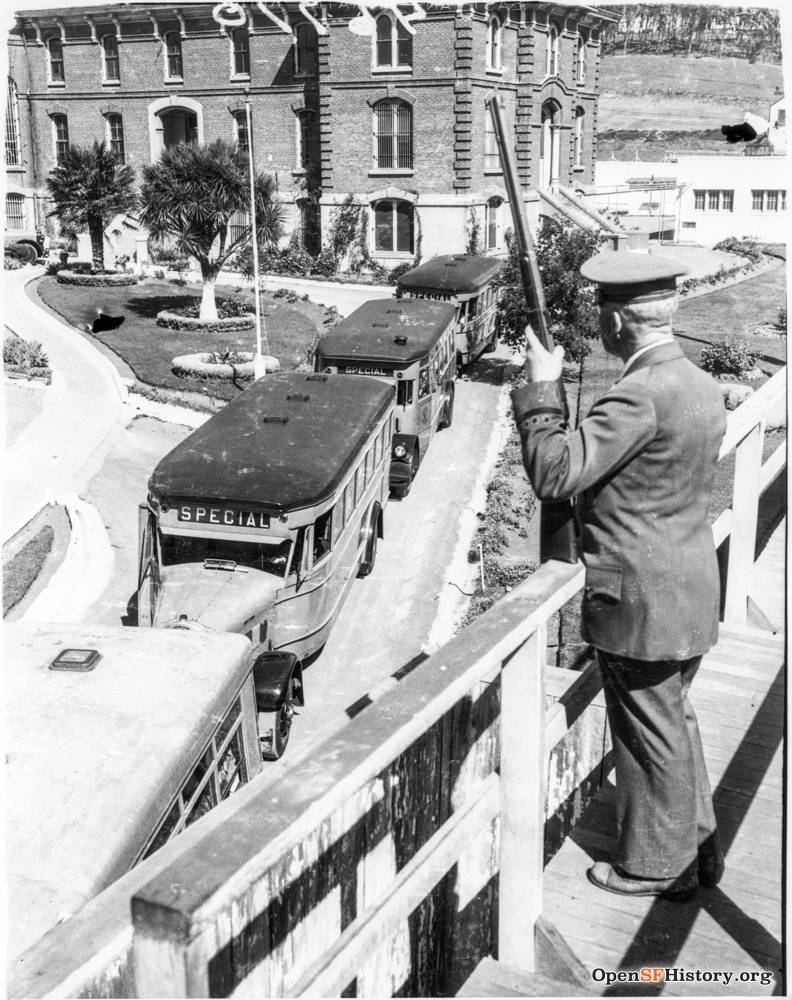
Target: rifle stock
(557, 523)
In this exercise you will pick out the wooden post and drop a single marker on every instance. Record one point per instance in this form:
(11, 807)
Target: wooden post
(522, 802)
(166, 962)
(745, 509)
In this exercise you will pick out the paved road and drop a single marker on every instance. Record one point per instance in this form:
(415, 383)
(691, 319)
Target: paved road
(387, 617)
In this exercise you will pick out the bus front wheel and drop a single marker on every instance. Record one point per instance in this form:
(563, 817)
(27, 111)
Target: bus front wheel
(281, 727)
(370, 555)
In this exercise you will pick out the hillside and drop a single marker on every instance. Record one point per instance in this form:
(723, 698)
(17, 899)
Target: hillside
(653, 104)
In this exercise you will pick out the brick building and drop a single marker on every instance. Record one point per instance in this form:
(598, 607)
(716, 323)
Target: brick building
(390, 111)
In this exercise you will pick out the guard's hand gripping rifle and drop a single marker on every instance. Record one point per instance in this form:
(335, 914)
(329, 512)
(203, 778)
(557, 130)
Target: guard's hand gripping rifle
(557, 525)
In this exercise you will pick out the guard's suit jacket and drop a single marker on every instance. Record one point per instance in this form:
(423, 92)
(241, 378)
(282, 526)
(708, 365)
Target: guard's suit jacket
(643, 464)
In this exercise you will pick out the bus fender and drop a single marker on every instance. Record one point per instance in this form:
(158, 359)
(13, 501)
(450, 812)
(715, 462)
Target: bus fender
(272, 677)
(402, 466)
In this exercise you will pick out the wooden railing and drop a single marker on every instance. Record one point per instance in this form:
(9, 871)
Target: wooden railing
(408, 847)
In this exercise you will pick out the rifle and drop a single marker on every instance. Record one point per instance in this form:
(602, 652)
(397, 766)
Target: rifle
(557, 525)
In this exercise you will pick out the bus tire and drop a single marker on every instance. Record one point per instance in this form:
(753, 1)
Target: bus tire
(447, 416)
(370, 557)
(281, 726)
(413, 469)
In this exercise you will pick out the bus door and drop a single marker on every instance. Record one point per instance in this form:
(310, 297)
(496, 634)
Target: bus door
(148, 566)
(426, 393)
(405, 402)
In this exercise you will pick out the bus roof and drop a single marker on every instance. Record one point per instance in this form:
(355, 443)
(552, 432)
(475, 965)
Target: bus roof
(283, 444)
(399, 331)
(94, 758)
(453, 274)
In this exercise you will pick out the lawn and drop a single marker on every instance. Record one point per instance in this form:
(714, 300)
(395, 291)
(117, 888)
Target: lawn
(149, 349)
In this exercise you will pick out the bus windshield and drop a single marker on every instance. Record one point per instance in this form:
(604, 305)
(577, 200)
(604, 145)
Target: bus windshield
(271, 557)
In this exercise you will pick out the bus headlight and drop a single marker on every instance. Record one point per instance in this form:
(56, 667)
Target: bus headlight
(399, 451)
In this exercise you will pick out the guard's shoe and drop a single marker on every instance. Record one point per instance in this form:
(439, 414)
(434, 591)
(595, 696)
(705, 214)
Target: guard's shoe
(711, 864)
(612, 879)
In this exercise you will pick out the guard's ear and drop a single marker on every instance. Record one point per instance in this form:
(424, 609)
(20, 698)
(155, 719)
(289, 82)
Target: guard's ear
(616, 322)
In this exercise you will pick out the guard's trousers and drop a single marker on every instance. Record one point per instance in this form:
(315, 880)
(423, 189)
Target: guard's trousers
(664, 802)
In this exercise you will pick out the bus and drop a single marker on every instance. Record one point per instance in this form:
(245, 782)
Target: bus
(469, 282)
(408, 343)
(261, 518)
(117, 740)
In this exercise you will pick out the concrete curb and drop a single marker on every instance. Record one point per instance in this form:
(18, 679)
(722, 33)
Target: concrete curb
(85, 572)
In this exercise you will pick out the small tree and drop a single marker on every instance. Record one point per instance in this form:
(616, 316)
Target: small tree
(190, 195)
(89, 186)
(570, 302)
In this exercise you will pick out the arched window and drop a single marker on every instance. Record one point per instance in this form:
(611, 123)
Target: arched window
(110, 66)
(577, 140)
(57, 72)
(393, 145)
(394, 226)
(178, 125)
(492, 220)
(173, 56)
(392, 44)
(493, 49)
(60, 134)
(115, 136)
(240, 52)
(581, 58)
(15, 212)
(305, 50)
(12, 144)
(551, 54)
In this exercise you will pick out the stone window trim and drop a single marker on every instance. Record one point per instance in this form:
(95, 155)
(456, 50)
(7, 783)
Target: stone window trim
(494, 45)
(393, 252)
(390, 93)
(171, 101)
(552, 50)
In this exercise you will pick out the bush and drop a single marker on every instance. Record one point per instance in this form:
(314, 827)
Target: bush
(53, 267)
(19, 252)
(172, 320)
(23, 353)
(325, 264)
(395, 273)
(781, 321)
(12, 264)
(746, 246)
(731, 357)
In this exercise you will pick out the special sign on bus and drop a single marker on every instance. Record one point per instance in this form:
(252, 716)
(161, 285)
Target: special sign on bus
(223, 515)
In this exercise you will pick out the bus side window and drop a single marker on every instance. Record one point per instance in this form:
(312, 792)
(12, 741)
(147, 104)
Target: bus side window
(423, 383)
(358, 486)
(365, 470)
(377, 449)
(339, 519)
(404, 392)
(322, 534)
(349, 501)
(472, 308)
(297, 556)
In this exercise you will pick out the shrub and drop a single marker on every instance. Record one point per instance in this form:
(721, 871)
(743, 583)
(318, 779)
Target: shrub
(53, 267)
(18, 251)
(731, 357)
(159, 273)
(325, 264)
(12, 264)
(173, 321)
(23, 353)
(746, 246)
(100, 278)
(781, 321)
(226, 309)
(395, 273)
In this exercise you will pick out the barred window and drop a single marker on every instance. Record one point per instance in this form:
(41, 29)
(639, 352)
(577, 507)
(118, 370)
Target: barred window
(394, 226)
(310, 226)
(727, 201)
(493, 46)
(305, 50)
(393, 44)
(698, 200)
(12, 144)
(393, 135)
(15, 212)
(577, 139)
(240, 41)
(768, 201)
(110, 51)
(56, 69)
(173, 50)
(60, 127)
(115, 136)
(237, 224)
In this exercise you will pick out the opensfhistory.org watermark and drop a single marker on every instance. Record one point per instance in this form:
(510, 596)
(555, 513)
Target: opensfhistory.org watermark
(677, 974)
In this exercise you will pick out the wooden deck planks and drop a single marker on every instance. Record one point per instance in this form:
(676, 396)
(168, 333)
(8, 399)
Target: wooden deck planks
(737, 926)
(768, 570)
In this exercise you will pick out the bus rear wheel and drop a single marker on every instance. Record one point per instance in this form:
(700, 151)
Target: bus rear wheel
(370, 556)
(447, 416)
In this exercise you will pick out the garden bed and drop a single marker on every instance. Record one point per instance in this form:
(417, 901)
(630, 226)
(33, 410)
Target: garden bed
(108, 279)
(149, 350)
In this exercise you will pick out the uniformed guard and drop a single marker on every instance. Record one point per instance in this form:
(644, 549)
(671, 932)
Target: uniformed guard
(643, 465)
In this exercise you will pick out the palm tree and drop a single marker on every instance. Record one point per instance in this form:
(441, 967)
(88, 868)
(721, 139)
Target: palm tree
(89, 186)
(190, 195)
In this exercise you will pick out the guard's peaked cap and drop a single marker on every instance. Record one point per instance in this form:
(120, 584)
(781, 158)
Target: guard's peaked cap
(623, 275)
